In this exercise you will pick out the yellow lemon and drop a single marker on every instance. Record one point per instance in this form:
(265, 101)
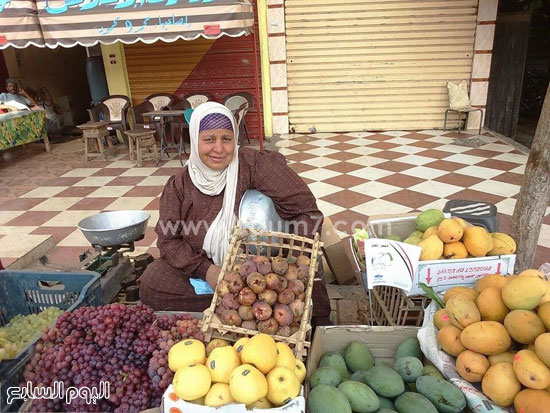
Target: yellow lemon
(192, 382)
(221, 362)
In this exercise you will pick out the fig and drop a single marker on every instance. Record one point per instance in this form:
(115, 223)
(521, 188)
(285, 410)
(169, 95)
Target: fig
(296, 286)
(232, 276)
(283, 285)
(302, 260)
(272, 281)
(256, 282)
(237, 267)
(284, 331)
(231, 318)
(268, 296)
(294, 326)
(220, 308)
(303, 272)
(268, 326)
(262, 311)
(230, 301)
(235, 281)
(246, 313)
(247, 296)
(292, 272)
(283, 314)
(297, 307)
(262, 263)
(301, 296)
(279, 265)
(286, 297)
(250, 325)
(248, 268)
(223, 288)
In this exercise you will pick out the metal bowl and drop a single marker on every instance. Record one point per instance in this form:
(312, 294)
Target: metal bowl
(109, 229)
(257, 211)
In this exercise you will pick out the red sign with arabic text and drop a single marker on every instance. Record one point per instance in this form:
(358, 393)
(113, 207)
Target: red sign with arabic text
(212, 29)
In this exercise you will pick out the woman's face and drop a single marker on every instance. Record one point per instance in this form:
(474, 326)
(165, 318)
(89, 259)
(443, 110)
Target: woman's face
(216, 147)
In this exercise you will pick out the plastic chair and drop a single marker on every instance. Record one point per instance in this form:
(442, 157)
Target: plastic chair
(137, 115)
(197, 98)
(160, 100)
(116, 105)
(240, 104)
(101, 112)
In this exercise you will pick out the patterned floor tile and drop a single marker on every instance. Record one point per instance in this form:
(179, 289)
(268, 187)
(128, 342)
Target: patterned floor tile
(80, 172)
(133, 203)
(320, 162)
(506, 206)
(426, 144)
(458, 179)
(347, 199)
(328, 208)
(32, 218)
(370, 173)
(347, 220)
(92, 204)
(139, 172)
(300, 167)
(18, 245)
(319, 174)
(69, 218)
(44, 192)
(110, 172)
(56, 204)
(344, 167)
(498, 165)
(519, 170)
(423, 172)
(511, 157)
(471, 194)
(437, 189)
(21, 204)
(410, 198)
(408, 149)
(343, 156)
(58, 233)
(375, 189)
(497, 147)
(140, 191)
(95, 181)
(381, 206)
(322, 151)
(400, 180)
(497, 188)
(345, 181)
(364, 150)
(18, 230)
(416, 160)
(544, 237)
(478, 172)
(322, 189)
(367, 160)
(74, 239)
(154, 181)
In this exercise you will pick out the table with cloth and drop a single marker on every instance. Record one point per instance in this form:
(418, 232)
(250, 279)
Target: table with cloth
(19, 128)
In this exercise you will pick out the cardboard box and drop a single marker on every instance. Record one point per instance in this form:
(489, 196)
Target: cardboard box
(297, 405)
(440, 274)
(338, 255)
(382, 341)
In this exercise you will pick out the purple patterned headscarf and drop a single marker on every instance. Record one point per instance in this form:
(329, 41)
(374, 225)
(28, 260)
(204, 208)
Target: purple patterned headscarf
(215, 121)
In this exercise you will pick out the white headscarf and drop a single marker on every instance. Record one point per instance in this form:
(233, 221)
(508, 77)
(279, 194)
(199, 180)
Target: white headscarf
(212, 182)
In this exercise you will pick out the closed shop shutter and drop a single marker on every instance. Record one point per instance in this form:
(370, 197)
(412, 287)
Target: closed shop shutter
(358, 65)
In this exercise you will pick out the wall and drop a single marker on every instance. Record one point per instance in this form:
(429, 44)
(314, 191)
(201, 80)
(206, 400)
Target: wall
(3, 71)
(61, 71)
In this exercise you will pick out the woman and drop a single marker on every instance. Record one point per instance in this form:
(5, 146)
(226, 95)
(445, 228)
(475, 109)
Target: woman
(198, 208)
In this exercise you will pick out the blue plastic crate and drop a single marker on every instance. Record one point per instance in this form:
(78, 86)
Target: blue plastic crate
(30, 292)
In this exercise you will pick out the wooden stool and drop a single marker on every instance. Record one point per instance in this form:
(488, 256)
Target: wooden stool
(97, 131)
(142, 145)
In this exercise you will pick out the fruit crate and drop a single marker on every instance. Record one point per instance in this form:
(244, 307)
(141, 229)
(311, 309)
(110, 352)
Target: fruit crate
(247, 242)
(30, 292)
(390, 306)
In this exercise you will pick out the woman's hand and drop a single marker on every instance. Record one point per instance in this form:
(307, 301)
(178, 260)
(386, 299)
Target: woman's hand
(212, 275)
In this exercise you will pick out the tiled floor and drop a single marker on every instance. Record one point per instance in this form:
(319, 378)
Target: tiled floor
(353, 176)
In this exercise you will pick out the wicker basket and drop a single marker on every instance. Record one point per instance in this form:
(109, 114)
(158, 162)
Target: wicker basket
(390, 306)
(271, 244)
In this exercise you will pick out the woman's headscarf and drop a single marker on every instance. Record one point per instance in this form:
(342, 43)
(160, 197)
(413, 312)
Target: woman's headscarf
(212, 182)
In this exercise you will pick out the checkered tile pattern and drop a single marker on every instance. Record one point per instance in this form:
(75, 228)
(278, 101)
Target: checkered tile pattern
(352, 175)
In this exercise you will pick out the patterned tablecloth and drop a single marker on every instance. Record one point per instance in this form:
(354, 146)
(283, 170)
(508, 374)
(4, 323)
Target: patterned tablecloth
(19, 128)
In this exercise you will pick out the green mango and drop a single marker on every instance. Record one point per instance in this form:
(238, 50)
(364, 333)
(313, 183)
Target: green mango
(328, 399)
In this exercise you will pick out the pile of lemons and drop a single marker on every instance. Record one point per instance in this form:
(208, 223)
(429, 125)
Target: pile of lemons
(255, 371)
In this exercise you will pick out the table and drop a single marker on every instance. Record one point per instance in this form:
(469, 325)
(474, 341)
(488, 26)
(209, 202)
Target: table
(21, 127)
(159, 117)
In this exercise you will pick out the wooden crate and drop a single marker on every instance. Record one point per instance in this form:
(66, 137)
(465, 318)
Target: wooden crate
(272, 244)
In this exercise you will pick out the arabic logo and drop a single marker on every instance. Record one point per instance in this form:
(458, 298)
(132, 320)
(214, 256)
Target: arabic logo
(85, 5)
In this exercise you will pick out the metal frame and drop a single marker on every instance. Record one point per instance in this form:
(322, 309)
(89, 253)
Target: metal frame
(460, 112)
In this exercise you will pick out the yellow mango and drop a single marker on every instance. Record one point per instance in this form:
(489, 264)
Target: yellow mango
(506, 357)
(503, 244)
(523, 293)
(531, 371)
(450, 230)
(491, 280)
(441, 318)
(432, 248)
(478, 241)
(448, 339)
(486, 337)
(523, 326)
(472, 366)
(532, 401)
(500, 384)
(454, 251)
(544, 314)
(462, 311)
(546, 297)
(542, 348)
(465, 291)
(490, 305)
(429, 232)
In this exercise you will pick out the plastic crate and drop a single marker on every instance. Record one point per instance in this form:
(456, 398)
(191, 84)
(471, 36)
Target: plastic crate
(30, 292)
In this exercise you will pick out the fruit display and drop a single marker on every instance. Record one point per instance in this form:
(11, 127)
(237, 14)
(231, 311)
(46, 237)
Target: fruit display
(125, 346)
(499, 332)
(21, 330)
(353, 381)
(265, 295)
(256, 371)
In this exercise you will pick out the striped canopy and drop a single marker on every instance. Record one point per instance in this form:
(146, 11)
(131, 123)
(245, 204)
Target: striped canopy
(88, 22)
(19, 25)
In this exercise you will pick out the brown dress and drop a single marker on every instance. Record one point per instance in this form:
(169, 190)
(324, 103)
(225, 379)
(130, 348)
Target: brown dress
(165, 283)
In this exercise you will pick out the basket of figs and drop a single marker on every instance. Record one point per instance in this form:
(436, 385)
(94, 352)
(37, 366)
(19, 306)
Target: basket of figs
(265, 286)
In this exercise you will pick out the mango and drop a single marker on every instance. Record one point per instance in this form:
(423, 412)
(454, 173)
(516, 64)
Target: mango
(532, 401)
(542, 348)
(491, 306)
(463, 223)
(409, 368)
(523, 293)
(472, 366)
(491, 280)
(486, 337)
(455, 251)
(359, 375)
(360, 396)
(462, 311)
(546, 297)
(500, 384)
(427, 219)
(385, 381)
(448, 339)
(325, 375)
(432, 371)
(358, 356)
(503, 244)
(465, 291)
(393, 237)
(432, 248)
(416, 234)
(446, 397)
(412, 240)
(408, 347)
(523, 326)
(441, 318)
(531, 371)
(429, 232)
(450, 230)
(506, 357)
(478, 241)
(336, 361)
(410, 402)
(544, 314)
(327, 399)
(385, 404)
